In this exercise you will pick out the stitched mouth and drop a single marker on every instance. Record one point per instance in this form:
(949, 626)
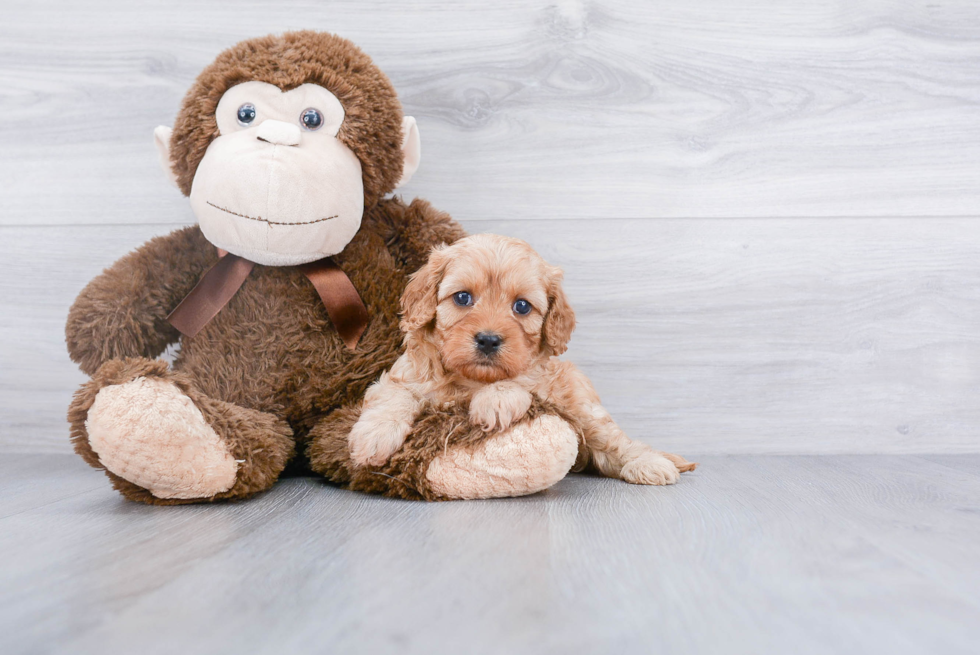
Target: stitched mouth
(265, 220)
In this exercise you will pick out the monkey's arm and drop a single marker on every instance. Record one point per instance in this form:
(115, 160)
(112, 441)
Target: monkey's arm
(123, 312)
(411, 231)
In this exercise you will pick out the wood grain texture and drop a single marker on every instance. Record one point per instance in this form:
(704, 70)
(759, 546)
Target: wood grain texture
(853, 554)
(534, 109)
(855, 331)
(702, 336)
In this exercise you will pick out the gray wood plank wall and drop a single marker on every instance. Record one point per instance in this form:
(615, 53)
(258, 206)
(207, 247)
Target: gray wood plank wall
(767, 211)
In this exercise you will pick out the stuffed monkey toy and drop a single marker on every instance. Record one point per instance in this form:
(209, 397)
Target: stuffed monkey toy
(283, 299)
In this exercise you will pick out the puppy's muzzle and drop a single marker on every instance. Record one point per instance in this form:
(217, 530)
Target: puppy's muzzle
(488, 343)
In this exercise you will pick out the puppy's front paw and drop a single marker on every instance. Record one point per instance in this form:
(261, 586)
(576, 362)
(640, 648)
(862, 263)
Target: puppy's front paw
(650, 468)
(499, 405)
(373, 442)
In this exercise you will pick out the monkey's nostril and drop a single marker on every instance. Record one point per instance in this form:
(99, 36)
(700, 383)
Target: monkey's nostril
(487, 342)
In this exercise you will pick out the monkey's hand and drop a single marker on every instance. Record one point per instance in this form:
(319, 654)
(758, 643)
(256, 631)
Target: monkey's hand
(499, 404)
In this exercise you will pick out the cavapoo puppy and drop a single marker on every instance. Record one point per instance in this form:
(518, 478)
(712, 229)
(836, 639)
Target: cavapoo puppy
(485, 320)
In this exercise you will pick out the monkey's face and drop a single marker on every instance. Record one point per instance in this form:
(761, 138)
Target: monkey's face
(277, 186)
(283, 177)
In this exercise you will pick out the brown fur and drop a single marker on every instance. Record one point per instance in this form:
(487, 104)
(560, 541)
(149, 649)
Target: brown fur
(372, 126)
(271, 358)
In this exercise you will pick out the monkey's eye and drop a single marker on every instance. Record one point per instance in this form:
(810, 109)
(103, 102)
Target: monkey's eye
(522, 307)
(463, 298)
(311, 119)
(246, 114)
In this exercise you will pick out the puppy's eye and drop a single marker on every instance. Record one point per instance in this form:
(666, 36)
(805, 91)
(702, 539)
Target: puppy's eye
(246, 114)
(522, 307)
(463, 298)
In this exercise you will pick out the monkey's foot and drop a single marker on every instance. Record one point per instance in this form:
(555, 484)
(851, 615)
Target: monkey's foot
(525, 459)
(148, 432)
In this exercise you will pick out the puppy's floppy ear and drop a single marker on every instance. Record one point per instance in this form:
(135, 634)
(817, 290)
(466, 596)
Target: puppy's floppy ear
(421, 296)
(560, 319)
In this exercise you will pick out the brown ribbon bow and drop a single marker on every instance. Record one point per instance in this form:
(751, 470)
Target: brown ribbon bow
(223, 280)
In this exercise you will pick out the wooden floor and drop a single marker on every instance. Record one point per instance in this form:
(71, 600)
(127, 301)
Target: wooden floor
(750, 554)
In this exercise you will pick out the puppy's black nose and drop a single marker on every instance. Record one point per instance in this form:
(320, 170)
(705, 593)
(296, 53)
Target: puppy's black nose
(487, 342)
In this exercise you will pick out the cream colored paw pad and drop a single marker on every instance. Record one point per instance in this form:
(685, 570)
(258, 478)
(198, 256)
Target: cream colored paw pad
(528, 458)
(148, 432)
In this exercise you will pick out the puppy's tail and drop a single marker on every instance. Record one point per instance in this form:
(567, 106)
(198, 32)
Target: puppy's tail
(682, 464)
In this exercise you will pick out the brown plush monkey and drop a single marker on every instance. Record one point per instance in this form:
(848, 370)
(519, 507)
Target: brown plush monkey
(288, 147)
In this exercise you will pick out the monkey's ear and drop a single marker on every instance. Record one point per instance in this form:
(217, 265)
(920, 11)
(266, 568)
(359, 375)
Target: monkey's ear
(411, 149)
(161, 137)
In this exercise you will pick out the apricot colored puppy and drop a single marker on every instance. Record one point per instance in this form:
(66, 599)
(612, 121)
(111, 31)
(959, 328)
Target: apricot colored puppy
(485, 320)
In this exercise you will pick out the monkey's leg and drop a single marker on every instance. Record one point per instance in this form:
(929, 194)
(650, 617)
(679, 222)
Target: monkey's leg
(329, 451)
(161, 441)
(447, 457)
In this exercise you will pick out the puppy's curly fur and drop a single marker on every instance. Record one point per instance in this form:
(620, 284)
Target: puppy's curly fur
(485, 320)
